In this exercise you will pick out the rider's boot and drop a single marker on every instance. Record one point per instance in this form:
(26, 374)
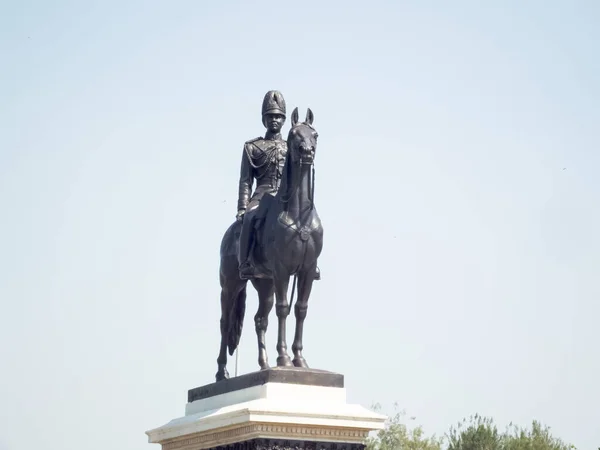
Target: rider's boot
(317, 274)
(246, 269)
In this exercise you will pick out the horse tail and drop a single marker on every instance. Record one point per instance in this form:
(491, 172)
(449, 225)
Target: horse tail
(236, 320)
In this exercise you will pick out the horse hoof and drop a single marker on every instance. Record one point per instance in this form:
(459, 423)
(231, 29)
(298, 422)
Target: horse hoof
(222, 375)
(284, 361)
(264, 366)
(300, 362)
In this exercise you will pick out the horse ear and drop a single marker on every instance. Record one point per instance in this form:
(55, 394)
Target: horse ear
(295, 116)
(309, 116)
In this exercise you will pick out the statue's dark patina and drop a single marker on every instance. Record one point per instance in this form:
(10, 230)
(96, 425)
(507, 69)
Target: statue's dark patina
(277, 234)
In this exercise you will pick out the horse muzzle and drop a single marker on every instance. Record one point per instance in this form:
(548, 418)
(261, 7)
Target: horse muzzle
(307, 157)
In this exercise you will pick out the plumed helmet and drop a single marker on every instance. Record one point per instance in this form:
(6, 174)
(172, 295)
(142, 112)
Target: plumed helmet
(273, 103)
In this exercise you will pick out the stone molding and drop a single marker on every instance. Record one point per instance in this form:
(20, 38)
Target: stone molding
(239, 438)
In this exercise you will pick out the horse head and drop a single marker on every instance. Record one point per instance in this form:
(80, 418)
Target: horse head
(302, 139)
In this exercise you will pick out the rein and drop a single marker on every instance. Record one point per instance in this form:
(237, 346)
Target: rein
(292, 188)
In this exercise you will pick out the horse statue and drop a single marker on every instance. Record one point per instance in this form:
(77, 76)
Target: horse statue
(289, 240)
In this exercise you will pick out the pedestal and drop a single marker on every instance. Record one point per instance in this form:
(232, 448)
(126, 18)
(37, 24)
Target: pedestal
(275, 409)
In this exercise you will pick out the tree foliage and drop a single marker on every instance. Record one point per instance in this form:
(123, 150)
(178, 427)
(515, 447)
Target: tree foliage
(479, 433)
(538, 437)
(397, 435)
(475, 433)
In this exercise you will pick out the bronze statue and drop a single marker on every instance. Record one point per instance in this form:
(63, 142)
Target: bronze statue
(282, 236)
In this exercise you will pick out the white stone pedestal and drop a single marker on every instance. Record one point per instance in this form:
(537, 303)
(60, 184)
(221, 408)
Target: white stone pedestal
(275, 415)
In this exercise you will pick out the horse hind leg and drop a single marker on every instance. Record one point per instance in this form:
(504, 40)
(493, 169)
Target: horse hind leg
(265, 290)
(222, 373)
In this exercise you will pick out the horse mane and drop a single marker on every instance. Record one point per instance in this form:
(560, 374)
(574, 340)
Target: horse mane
(285, 175)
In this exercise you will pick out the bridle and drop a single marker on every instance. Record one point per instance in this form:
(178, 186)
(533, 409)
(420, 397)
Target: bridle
(300, 162)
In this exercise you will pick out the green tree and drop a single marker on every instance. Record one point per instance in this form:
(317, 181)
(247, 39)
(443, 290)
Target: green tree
(475, 433)
(398, 436)
(479, 433)
(538, 437)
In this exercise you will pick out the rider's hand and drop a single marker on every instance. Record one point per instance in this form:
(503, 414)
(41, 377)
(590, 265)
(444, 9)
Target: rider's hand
(240, 215)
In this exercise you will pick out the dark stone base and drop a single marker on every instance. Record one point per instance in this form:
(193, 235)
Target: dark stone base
(293, 375)
(282, 444)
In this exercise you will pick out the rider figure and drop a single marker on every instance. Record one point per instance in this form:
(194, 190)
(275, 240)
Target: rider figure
(263, 160)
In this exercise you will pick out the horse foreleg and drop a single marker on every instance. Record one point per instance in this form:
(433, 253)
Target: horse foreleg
(305, 282)
(282, 309)
(264, 288)
(222, 373)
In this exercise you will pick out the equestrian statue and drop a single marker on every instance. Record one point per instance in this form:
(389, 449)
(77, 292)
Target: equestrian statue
(277, 235)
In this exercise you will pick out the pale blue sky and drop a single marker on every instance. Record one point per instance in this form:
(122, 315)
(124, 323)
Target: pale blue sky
(457, 180)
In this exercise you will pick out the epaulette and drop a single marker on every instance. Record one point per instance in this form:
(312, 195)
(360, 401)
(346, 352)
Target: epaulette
(253, 140)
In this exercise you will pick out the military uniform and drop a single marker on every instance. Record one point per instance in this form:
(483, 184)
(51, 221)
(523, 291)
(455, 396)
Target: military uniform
(262, 160)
